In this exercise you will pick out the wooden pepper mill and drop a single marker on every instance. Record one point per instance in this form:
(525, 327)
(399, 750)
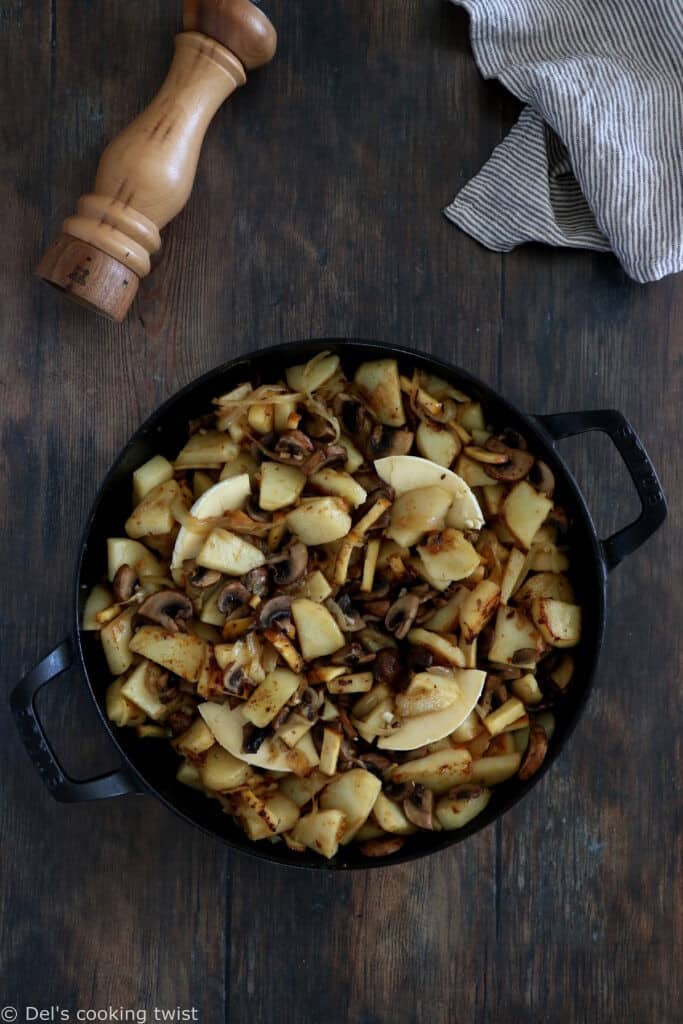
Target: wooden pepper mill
(146, 174)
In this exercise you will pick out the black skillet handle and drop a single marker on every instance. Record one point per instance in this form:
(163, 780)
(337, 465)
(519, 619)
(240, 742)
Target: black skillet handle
(628, 444)
(22, 703)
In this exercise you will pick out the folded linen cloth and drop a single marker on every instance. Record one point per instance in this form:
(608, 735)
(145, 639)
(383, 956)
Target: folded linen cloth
(596, 158)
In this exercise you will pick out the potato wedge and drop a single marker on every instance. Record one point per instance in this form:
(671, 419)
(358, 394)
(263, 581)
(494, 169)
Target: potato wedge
(181, 653)
(120, 710)
(313, 374)
(116, 641)
(458, 810)
(229, 553)
(220, 772)
(545, 584)
(321, 831)
(493, 770)
(280, 485)
(448, 555)
(99, 598)
(427, 691)
(271, 696)
(343, 485)
(354, 794)
(524, 510)
(477, 608)
(379, 384)
(437, 443)
(151, 474)
(439, 771)
(516, 568)
(207, 450)
(390, 817)
(123, 551)
(516, 640)
(317, 632)
(558, 621)
(319, 520)
(417, 512)
(153, 515)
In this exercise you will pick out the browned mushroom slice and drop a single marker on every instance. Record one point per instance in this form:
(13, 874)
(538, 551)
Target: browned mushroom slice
(375, 762)
(236, 682)
(275, 611)
(536, 750)
(202, 578)
(516, 468)
(293, 446)
(542, 478)
(233, 596)
(388, 441)
(168, 608)
(289, 566)
(401, 615)
(319, 428)
(353, 414)
(512, 438)
(124, 583)
(383, 847)
(311, 701)
(352, 654)
(329, 455)
(257, 581)
(418, 807)
(345, 615)
(387, 668)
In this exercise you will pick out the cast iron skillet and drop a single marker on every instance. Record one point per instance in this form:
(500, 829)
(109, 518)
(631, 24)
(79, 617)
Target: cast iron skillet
(149, 767)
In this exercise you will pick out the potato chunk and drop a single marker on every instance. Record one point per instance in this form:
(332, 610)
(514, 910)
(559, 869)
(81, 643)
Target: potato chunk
(427, 691)
(448, 556)
(321, 831)
(436, 443)
(155, 471)
(559, 622)
(458, 810)
(380, 386)
(280, 485)
(153, 515)
(354, 794)
(439, 771)
(313, 374)
(524, 510)
(319, 520)
(415, 513)
(332, 481)
(317, 632)
(229, 553)
(477, 609)
(181, 653)
(123, 551)
(207, 450)
(220, 772)
(116, 642)
(516, 640)
(271, 696)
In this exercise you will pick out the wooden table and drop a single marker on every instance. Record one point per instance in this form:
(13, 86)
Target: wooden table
(317, 211)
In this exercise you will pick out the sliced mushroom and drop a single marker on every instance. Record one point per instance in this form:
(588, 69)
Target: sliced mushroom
(289, 566)
(542, 478)
(387, 668)
(378, 594)
(202, 578)
(345, 615)
(382, 847)
(233, 596)
(512, 438)
(255, 512)
(388, 441)
(346, 723)
(352, 654)
(252, 738)
(376, 763)
(471, 792)
(353, 414)
(236, 682)
(168, 608)
(419, 806)
(124, 583)
(535, 752)
(419, 658)
(257, 581)
(329, 455)
(401, 615)
(293, 446)
(516, 468)
(377, 609)
(276, 610)
(319, 428)
(311, 700)
(399, 791)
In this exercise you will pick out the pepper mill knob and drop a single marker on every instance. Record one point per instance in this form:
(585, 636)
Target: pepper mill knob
(146, 173)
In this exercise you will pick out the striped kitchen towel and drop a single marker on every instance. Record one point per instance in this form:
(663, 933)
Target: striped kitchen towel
(595, 160)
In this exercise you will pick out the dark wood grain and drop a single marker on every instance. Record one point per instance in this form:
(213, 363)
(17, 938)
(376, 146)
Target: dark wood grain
(317, 211)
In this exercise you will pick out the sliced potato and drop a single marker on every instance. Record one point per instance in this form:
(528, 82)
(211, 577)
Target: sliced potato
(415, 513)
(321, 831)
(477, 608)
(196, 740)
(473, 473)
(439, 771)
(430, 728)
(313, 374)
(354, 682)
(524, 510)
(493, 495)
(354, 459)
(141, 688)
(226, 496)
(547, 558)
(181, 653)
(151, 474)
(301, 790)
(436, 443)
(294, 729)
(427, 691)
(379, 384)
(471, 415)
(558, 621)
(442, 648)
(220, 772)
(447, 618)
(354, 794)
(260, 417)
(492, 770)
(319, 520)
(390, 817)
(516, 640)
(315, 587)
(448, 555)
(527, 689)
(508, 712)
(285, 416)
(153, 515)
(329, 752)
(123, 551)
(188, 775)
(241, 464)
(207, 450)
(281, 485)
(408, 472)
(317, 632)
(458, 810)
(343, 485)
(545, 584)
(120, 710)
(229, 553)
(116, 642)
(99, 598)
(271, 696)
(515, 570)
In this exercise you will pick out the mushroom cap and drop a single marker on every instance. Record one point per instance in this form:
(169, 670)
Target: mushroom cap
(279, 607)
(169, 608)
(290, 565)
(401, 615)
(232, 596)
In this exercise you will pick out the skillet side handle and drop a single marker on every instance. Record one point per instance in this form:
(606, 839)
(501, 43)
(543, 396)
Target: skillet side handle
(22, 704)
(652, 500)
